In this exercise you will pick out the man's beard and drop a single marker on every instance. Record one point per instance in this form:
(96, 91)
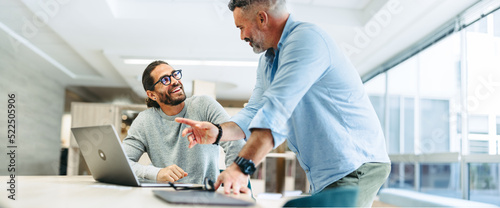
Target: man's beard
(168, 100)
(257, 43)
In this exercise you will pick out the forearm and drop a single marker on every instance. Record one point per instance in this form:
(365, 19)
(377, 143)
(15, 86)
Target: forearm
(134, 152)
(144, 171)
(258, 145)
(231, 131)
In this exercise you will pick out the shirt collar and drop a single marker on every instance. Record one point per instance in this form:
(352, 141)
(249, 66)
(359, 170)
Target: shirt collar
(172, 118)
(286, 31)
(270, 53)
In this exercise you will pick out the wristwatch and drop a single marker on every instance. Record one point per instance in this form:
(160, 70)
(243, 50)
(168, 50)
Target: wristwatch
(246, 166)
(217, 140)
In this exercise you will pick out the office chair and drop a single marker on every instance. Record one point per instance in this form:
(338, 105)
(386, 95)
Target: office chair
(335, 197)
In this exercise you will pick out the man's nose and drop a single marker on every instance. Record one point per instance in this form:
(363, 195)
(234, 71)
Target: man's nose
(242, 37)
(173, 81)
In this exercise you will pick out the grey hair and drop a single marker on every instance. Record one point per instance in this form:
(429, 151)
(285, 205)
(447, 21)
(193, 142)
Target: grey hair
(272, 6)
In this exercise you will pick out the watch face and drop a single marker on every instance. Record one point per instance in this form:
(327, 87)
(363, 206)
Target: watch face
(246, 166)
(248, 169)
(251, 170)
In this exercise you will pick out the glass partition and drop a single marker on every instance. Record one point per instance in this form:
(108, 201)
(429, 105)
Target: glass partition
(445, 100)
(484, 182)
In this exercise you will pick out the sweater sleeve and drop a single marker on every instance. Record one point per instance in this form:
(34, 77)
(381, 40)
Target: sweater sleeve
(134, 146)
(232, 148)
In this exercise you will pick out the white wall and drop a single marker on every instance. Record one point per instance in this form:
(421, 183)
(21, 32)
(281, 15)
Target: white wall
(39, 109)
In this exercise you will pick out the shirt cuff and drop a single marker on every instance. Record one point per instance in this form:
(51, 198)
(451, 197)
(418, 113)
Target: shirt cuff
(278, 128)
(243, 122)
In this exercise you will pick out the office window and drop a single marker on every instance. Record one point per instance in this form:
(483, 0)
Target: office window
(478, 134)
(479, 27)
(483, 91)
(426, 95)
(401, 125)
(376, 85)
(402, 79)
(478, 146)
(484, 182)
(496, 24)
(458, 123)
(434, 126)
(439, 69)
(378, 103)
(402, 176)
(409, 125)
(394, 137)
(375, 88)
(441, 179)
(439, 94)
(402, 89)
(478, 124)
(498, 125)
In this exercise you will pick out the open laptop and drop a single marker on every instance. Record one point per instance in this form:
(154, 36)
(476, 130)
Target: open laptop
(102, 150)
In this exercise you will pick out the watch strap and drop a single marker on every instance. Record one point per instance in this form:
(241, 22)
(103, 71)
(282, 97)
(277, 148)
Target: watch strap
(219, 136)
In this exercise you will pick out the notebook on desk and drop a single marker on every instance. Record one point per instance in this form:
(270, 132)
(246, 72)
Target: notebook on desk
(102, 150)
(200, 198)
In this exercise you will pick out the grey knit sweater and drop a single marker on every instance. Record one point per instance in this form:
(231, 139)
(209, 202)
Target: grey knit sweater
(159, 135)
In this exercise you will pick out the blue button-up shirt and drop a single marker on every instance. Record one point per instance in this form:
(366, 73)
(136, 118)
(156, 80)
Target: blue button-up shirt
(308, 92)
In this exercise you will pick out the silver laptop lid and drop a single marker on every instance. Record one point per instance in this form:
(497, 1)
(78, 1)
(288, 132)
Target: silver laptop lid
(104, 155)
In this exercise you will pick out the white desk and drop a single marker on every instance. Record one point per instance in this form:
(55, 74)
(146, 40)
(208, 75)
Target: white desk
(82, 191)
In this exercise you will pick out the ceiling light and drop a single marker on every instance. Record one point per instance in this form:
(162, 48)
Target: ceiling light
(37, 50)
(195, 62)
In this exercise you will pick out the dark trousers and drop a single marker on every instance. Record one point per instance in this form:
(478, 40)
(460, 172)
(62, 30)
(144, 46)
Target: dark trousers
(368, 178)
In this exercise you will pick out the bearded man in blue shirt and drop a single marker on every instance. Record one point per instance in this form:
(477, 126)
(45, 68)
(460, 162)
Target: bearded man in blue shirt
(308, 93)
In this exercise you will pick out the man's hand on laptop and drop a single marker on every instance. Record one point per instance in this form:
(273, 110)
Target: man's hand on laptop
(198, 132)
(171, 173)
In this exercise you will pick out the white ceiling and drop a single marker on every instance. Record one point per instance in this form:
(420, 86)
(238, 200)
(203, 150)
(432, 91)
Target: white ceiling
(85, 42)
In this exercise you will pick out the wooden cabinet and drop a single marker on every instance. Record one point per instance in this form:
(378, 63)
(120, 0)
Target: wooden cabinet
(278, 173)
(93, 114)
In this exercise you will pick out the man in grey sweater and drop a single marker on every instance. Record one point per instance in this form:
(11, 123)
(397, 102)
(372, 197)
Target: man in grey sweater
(155, 131)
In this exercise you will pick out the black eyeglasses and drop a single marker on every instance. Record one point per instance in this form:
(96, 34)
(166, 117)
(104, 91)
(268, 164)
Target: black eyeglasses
(208, 185)
(165, 80)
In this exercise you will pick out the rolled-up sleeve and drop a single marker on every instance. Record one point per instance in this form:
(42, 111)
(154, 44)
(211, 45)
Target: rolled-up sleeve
(243, 119)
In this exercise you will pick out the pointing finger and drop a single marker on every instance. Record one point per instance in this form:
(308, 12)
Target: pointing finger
(185, 121)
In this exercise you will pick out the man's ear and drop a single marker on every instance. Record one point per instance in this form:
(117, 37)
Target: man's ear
(262, 18)
(151, 95)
